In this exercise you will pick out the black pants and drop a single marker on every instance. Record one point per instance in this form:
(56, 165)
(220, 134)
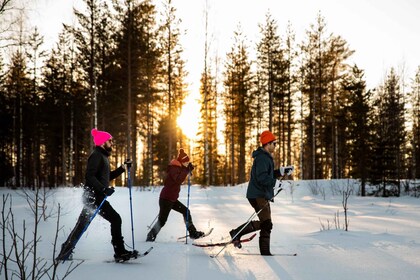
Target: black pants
(165, 207)
(106, 211)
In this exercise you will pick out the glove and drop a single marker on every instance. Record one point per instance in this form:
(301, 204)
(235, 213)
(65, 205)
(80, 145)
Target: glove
(128, 162)
(276, 186)
(190, 167)
(109, 191)
(286, 170)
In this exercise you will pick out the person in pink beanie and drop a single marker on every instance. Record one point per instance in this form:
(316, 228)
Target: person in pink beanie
(98, 175)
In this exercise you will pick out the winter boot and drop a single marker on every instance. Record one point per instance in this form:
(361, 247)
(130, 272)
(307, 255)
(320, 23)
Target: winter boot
(66, 252)
(121, 254)
(264, 243)
(126, 255)
(194, 233)
(237, 233)
(151, 236)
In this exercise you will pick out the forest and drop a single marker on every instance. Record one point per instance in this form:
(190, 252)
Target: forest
(121, 68)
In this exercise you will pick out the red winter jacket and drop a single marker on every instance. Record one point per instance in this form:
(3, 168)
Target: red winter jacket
(176, 174)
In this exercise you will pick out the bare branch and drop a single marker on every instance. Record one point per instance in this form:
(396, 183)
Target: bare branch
(4, 6)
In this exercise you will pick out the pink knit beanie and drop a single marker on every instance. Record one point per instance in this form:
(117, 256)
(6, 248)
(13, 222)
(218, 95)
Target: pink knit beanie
(100, 137)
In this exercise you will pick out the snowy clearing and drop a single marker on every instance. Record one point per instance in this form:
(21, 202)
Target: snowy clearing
(383, 240)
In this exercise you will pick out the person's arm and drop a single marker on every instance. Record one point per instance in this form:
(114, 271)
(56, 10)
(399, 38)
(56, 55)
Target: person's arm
(277, 173)
(178, 175)
(117, 172)
(94, 164)
(265, 179)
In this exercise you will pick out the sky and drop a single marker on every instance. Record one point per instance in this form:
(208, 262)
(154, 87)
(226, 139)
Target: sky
(382, 242)
(383, 33)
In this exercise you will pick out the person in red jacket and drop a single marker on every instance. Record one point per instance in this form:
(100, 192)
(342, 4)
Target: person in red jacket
(177, 171)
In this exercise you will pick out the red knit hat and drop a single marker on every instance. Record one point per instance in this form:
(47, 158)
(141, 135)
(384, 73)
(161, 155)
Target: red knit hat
(266, 137)
(182, 156)
(100, 137)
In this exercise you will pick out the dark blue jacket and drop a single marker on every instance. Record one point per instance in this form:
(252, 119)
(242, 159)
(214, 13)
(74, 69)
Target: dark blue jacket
(263, 174)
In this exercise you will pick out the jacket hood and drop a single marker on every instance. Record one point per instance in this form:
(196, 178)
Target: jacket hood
(259, 151)
(175, 162)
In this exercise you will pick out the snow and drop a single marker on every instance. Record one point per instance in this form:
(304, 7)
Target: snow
(383, 240)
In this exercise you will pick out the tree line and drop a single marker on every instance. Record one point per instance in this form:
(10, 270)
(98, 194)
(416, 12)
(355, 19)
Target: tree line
(121, 68)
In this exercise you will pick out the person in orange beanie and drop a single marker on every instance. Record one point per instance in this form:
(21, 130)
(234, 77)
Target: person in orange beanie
(177, 171)
(260, 191)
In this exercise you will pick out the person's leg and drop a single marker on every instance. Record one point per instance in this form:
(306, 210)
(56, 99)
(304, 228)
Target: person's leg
(68, 246)
(165, 207)
(245, 228)
(89, 208)
(109, 214)
(181, 208)
(265, 224)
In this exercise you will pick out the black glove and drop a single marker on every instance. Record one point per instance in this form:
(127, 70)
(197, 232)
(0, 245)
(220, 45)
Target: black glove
(128, 162)
(109, 191)
(190, 167)
(286, 170)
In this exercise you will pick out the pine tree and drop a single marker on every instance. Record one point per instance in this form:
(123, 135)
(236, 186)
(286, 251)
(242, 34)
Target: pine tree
(136, 78)
(290, 90)
(269, 61)
(206, 154)
(173, 82)
(63, 136)
(322, 69)
(338, 53)
(359, 130)
(390, 134)
(6, 130)
(415, 134)
(313, 88)
(238, 83)
(36, 56)
(92, 41)
(277, 85)
(18, 86)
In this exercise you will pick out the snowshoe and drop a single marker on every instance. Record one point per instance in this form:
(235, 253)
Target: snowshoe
(65, 254)
(125, 256)
(200, 235)
(196, 234)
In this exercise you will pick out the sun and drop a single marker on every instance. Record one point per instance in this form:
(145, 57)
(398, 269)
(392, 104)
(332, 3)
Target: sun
(189, 118)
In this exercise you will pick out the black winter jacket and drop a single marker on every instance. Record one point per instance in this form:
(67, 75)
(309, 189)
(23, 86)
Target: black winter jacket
(98, 172)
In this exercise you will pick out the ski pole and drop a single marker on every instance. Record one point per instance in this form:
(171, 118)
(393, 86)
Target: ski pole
(249, 221)
(188, 207)
(151, 225)
(87, 224)
(131, 201)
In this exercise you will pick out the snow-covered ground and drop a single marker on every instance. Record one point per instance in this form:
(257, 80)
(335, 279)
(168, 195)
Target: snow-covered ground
(383, 241)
